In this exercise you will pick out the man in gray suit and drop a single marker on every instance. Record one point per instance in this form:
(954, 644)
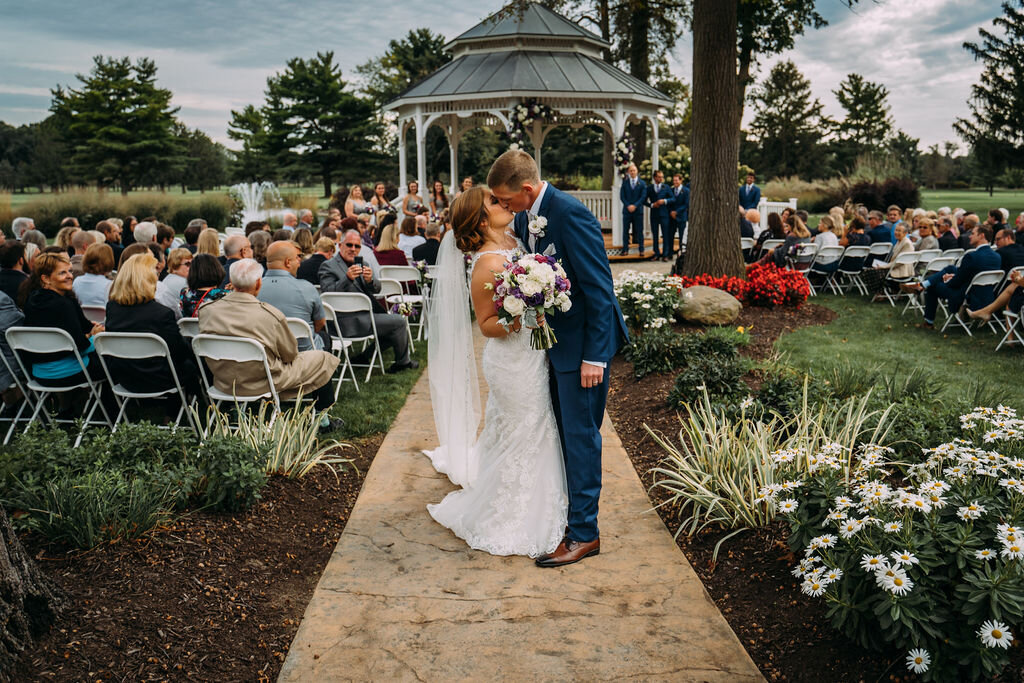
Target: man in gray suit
(341, 273)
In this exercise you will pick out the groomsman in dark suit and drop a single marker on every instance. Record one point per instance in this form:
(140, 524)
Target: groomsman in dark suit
(658, 197)
(750, 194)
(633, 194)
(678, 213)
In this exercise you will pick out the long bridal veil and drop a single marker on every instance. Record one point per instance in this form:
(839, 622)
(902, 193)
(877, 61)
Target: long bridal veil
(454, 390)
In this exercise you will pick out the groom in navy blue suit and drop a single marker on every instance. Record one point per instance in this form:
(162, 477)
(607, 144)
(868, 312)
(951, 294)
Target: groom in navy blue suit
(589, 335)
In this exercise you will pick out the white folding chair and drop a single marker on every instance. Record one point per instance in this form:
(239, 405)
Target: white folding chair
(769, 245)
(955, 253)
(907, 258)
(405, 275)
(301, 329)
(234, 231)
(237, 350)
(354, 303)
(926, 256)
(54, 340)
(26, 401)
(850, 267)
(189, 327)
(880, 251)
(393, 293)
(339, 347)
(936, 265)
(1014, 328)
(960, 259)
(823, 257)
(986, 278)
(95, 314)
(138, 346)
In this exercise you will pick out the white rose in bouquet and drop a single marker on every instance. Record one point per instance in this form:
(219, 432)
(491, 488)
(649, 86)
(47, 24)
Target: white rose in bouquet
(514, 306)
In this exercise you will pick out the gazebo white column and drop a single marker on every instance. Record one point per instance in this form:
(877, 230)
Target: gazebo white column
(421, 148)
(654, 143)
(403, 127)
(454, 135)
(618, 129)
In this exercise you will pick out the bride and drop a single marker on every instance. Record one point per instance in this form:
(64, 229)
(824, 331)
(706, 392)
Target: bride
(513, 498)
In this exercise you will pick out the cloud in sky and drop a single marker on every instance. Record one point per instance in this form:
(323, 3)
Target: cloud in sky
(215, 55)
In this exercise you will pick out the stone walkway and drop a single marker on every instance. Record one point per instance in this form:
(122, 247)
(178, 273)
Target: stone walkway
(403, 599)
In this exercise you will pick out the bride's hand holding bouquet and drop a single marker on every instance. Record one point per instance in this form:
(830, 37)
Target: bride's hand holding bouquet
(530, 286)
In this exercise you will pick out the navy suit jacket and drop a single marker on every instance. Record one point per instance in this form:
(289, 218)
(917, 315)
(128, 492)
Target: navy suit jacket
(879, 234)
(630, 195)
(750, 200)
(593, 329)
(983, 258)
(680, 202)
(664, 192)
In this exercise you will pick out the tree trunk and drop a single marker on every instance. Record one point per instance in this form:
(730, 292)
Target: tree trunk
(713, 245)
(327, 184)
(29, 601)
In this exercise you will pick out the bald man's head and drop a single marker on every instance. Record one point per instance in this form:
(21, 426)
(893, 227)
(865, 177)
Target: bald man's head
(283, 255)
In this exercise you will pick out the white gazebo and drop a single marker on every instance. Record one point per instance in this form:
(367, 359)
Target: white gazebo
(538, 55)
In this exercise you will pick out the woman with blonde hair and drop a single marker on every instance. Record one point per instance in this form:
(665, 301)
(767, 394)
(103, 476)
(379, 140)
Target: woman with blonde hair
(133, 308)
(64, 235)
(303, 238)
(387, 251)
(355, 204)
(208, 243)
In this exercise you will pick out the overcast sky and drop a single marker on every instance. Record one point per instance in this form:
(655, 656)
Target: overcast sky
(215, 55)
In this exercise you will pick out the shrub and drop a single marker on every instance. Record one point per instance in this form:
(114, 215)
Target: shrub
(903, 192)
(716, 375)
(233, 472)
(646, 298)
(733, 285)
(655, 351)
(92, 207)
(918, 555)
(771, 286)
(815, 196)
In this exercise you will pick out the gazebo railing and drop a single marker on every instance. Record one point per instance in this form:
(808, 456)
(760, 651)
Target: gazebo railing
(599, 202)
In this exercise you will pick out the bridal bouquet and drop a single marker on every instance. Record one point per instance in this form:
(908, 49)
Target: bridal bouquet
(530, 286)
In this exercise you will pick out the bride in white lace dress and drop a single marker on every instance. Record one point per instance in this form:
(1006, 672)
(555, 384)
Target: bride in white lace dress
(513, 498)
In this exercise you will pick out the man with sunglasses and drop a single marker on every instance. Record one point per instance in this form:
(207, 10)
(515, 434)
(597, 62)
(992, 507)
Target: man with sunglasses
(347, 272)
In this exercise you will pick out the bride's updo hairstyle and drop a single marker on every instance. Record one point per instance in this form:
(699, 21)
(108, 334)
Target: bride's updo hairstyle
(467, 213)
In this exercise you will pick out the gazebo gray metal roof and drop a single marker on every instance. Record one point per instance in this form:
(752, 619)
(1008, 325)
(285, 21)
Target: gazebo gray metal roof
(512, 57)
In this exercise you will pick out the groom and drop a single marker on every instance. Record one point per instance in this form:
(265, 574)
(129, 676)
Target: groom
(588, 334)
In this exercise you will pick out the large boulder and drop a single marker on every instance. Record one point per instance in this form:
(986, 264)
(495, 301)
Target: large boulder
(708, 306)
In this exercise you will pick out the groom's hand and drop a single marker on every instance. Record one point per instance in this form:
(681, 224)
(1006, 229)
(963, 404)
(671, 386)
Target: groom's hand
(590, 375)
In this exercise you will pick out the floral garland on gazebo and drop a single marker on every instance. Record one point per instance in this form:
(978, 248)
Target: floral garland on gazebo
(624, 153)
(523, 115)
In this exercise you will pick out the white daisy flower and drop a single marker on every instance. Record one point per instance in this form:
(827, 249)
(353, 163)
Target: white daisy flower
(834, 574)
(788, 505)
(825, 540)
(837, 515)
(1014, 551)
(806, 566)
(995, 634)
(893, 527)
(813, 588)
(898, 583)
(872, 563)
(918, 660)
(985, 554)
(904, 557)
(850, 527)
(842, 502)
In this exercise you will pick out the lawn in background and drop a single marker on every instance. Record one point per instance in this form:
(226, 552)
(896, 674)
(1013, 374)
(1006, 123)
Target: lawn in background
(977, 201)
(875, 335)
(19, 199)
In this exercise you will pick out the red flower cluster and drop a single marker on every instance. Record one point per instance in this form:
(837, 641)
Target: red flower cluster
(767, 285)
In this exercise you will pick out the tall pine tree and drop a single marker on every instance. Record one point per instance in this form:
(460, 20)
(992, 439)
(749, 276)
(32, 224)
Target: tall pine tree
(867, 124)
(994, 129)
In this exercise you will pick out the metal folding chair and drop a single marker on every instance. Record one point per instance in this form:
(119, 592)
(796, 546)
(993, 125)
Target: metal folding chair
(769, 246)
(189, 327)
(26, 401)
(237, 350)
(1014, 328)
(825, 255)
(850, 267)
(340, 347)
(138, 346)
(405, 275)
(95, 314)
(353, 303)
(916, 301)
(54, 340)
(393, 293)
(907, 258)
(986, 278)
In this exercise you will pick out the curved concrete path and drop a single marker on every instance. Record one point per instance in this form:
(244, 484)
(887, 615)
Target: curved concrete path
(403, 599)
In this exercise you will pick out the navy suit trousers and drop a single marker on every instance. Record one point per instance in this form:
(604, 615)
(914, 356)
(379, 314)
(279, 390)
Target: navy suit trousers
(581, 440)
(633, 223)
(659, 234)
(937, 288)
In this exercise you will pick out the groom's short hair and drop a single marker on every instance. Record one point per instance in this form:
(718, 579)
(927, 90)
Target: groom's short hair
(512, 169)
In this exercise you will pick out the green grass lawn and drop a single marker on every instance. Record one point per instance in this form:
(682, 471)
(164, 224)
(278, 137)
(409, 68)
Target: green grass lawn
(874, 335)
(22, 198)
(977, 201)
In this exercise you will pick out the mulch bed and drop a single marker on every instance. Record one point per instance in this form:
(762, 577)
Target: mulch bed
(787, 634)
(209, 597)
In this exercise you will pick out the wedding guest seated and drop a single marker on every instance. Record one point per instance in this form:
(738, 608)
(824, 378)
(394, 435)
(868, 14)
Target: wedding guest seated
(192, 232)
(133, 308)
(387, 251)
(202, 284)
(310, 268)
(343, 274)
(209, 243)
(12, 267)
(63, 238)
(1011, 298)
(241, 314)
(875, 277)
(165, 237)
(428, 250)
(47, 300)
(281, 235)
(21, 225)
(80, 241)
(92, 287)
(363, 225)
(855, 235)
(259, 241)
(410, 237)
(294, 297)
(10, 316)
(384, 219)
(926, 240)
(304, 239)
(168, 290)
(1010, 253)
(256, 226)
(774, 231)
(746, 227)
(877, 231)
(971, 222)
(796, 233)
(305, 220)
(145, 232)
(946, 238)
(111, 236)
(34, 237)
(827, 237)
(236, 248)
(952, 282)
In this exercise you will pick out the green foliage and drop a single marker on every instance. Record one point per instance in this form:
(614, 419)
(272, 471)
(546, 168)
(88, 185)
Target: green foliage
(119, 124)
(92, 207)
(656, 350)
(233, 472)
(715, 373)
(817, 196)
(925, 548)
(648, 300)
(867, 123)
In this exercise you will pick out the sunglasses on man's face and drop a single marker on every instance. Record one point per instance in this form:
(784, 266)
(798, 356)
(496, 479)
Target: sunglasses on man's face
(352, 246)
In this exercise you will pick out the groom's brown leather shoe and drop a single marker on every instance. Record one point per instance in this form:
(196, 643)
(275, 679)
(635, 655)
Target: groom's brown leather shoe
(569, 552)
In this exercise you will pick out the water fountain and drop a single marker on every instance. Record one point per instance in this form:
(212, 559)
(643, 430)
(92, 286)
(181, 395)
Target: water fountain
(260, 201)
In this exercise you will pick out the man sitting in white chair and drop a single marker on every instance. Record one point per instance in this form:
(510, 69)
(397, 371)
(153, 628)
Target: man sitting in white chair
(241, 314)
(295, 298)
(346, 273)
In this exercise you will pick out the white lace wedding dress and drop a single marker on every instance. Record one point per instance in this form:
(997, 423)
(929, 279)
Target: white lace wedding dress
(515, 503)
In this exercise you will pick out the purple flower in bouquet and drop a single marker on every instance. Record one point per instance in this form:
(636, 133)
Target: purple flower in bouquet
(530, 287)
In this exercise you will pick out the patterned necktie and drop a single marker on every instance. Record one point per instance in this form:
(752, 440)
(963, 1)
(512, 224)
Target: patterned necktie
(532, 239)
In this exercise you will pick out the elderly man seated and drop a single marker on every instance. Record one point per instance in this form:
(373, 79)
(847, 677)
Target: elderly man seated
(346, 272)
(294, 297)
(241, 314)
(952, 282)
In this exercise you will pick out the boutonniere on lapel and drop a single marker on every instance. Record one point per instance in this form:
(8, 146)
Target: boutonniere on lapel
(537, 226)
